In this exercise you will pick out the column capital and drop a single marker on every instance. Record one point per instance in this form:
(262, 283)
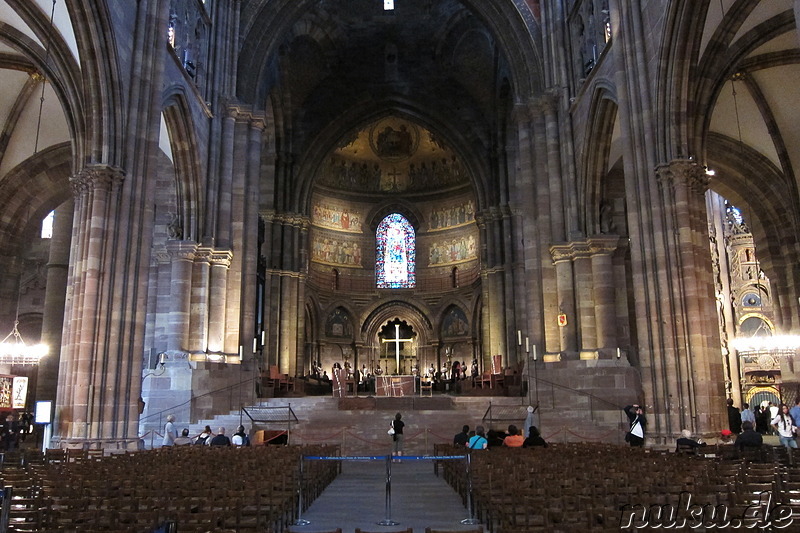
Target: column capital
(182, 250)
(603, 245)
(561, 252)
(96, 177)
(203, 254)
(684, 172)
(221, 258)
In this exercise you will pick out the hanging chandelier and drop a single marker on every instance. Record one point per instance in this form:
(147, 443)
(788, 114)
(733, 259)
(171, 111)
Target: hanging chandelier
(14, 351)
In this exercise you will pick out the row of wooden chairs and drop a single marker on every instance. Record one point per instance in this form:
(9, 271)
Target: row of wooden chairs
(219, 489)
(585, 487)
(411, 530)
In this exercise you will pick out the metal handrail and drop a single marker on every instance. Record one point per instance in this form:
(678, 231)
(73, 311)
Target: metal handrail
(193, 398)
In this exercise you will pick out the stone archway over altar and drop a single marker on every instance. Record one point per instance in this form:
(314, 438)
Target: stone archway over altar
(399, 338)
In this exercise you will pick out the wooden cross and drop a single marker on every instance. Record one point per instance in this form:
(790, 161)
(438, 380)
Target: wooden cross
(397, 340)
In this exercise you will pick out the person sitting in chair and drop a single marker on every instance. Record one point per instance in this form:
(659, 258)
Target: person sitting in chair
(687, 444)
(748, 438)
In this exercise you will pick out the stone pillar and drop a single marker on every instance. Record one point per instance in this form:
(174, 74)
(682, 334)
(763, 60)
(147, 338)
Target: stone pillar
(568, 345)
(182, 256)
(694, 369)
(604, 296)
(585, 300)
(556, 207)
(200, 301)
(220, 261)
(55, 300)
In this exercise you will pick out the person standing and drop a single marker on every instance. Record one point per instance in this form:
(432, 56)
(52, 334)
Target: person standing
(170, 431)
(795, 411)
(748, 415)
(785, 427)
(397, 438)
(635, 435)
(734, 418)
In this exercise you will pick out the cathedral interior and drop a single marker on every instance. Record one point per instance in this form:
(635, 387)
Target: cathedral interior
(195, 194)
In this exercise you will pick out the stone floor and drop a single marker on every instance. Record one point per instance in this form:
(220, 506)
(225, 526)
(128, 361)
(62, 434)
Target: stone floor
(357, 499)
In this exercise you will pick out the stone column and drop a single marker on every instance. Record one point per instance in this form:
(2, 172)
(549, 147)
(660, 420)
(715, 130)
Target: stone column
(55, 300)
(556, 207)
(604, 296)
(220, 261)
(584, 293)
(182, 256)
(695, 369)
(200, 300)
(568, 345)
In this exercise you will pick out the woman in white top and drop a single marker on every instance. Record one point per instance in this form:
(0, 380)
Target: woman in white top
(784, 424)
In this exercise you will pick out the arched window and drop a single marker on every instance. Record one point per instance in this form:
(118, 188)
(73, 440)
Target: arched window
(47, 225)
(396, 253)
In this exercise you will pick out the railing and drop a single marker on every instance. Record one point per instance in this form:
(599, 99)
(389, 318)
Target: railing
(263, 414)
(592, 398)
(490, 415)
(235, 387)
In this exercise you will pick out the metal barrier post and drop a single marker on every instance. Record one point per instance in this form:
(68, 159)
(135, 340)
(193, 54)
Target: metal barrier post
(5, 510)
(471, 520)
(300, 520)
(388, 520)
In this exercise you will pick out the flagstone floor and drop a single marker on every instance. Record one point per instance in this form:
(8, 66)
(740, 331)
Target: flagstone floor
(357, 499)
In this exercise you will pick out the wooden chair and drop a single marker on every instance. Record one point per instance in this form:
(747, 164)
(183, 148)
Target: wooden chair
(426, 388)
(279, 381)
(476, 530)
(409, 530)
(485, 380)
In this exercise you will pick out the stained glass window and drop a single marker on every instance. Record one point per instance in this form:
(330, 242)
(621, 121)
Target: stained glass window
(396, 253)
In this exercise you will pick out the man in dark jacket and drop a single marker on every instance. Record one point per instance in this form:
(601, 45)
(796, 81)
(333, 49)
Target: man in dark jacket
(748, 438)
(462, 438)
(220, 439)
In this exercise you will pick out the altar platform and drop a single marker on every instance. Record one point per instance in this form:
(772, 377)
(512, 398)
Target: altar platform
(396, 386)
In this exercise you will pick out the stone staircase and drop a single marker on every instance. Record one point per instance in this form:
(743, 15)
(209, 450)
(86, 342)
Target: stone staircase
(359, 424)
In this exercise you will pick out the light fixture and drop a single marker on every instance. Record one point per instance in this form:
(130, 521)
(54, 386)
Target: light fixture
(14, 351)
(777, 344)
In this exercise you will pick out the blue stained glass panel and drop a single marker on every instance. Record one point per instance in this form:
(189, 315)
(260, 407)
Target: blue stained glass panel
(396, 253)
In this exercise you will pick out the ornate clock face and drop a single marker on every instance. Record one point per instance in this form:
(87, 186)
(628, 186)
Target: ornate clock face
(751, 299)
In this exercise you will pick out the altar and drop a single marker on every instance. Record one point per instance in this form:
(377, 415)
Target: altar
(395, 386)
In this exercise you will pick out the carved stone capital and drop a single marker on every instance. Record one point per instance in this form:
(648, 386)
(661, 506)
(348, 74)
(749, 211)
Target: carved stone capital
(600, 245)
(96, 178)
(221, 258)
(684, 172)
(580, 250)
(561, 252)
(203, 255)
(182, 250)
